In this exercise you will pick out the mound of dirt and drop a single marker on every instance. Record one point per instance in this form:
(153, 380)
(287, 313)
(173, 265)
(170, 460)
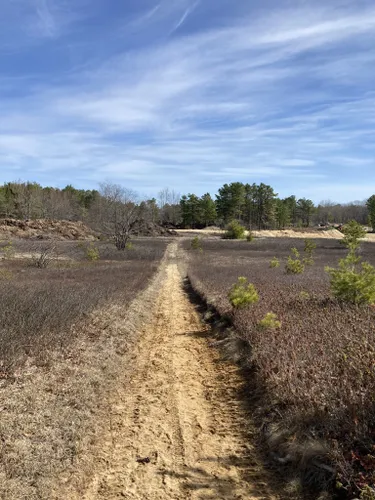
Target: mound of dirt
(45, 229)
(144, 228)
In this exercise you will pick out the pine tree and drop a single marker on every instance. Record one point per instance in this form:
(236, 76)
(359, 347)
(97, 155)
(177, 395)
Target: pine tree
(370, 204)
(207, 210)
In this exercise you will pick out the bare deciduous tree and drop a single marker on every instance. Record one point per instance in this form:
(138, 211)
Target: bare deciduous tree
(118, 213)
(169, 204)
(43, 255)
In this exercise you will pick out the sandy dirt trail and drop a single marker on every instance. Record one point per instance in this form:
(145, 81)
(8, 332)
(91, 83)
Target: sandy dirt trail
(181, 414)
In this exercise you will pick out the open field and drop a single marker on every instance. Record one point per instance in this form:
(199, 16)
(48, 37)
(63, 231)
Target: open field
(65, 338)
(142, 248)
(41, 308)
(314, 377)
(126, 398)
(112, 386)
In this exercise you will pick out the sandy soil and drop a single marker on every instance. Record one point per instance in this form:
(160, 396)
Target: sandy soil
(285, 233)
(179, 430)
(289, 233)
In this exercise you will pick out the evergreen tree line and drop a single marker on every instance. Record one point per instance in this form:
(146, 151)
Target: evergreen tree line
(256, 206)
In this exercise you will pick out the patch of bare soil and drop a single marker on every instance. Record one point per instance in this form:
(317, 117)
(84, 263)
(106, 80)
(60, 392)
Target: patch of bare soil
(282, 233)
(289, 233)
(333, 233)
(178, 430)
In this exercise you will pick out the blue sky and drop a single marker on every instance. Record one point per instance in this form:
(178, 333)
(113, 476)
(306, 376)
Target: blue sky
(190, 94)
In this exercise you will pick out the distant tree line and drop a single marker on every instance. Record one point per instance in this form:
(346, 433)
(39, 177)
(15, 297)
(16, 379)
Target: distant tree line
(255, 206)
(29, 200)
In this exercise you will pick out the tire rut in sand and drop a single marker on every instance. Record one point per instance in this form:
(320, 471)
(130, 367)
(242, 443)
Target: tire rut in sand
(179, 430)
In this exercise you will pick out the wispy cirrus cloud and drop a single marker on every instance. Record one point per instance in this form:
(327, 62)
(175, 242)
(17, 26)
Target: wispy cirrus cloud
(47, 21)
(26, 24)
(189, 9)
(283, 96)
(162, 18)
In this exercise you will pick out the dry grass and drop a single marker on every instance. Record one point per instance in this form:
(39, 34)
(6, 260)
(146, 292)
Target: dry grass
(315, 375)
(65, 341)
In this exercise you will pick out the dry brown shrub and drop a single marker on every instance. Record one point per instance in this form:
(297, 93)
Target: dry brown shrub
(38, 309)
(316, 373)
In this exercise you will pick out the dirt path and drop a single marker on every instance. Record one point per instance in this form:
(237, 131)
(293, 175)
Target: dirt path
(178, 432)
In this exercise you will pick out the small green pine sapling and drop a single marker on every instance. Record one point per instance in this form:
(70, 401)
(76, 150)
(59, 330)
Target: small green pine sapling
(5, 274)
(310, 246)
(234, 231)
(92, 253)
(196, 244)
(274, 262)
(294, 264)
(269, 322)
(353, 232)
(367, 493)
(8, 251)
(353, 281)
(243, 294)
